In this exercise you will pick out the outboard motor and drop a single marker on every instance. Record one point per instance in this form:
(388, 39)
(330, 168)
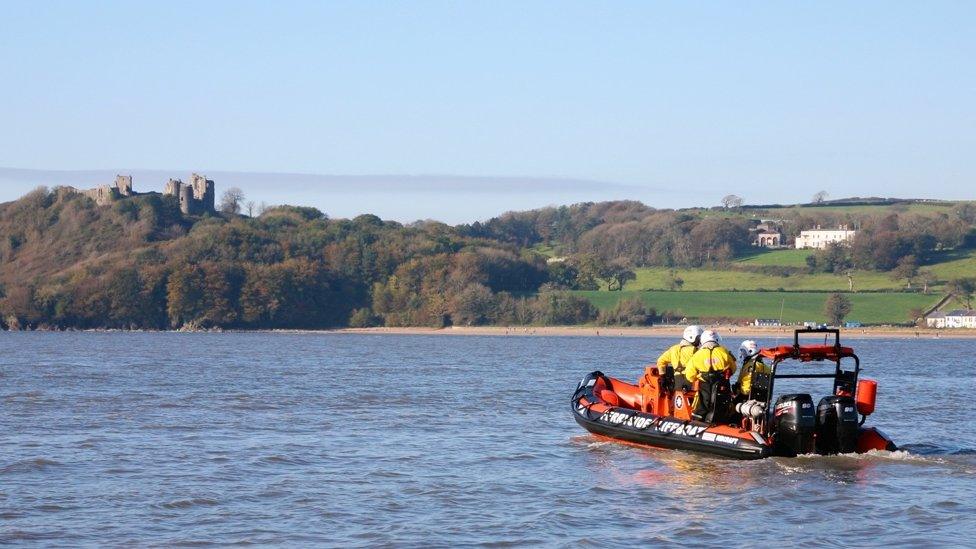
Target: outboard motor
(793, 425)
(836, 425)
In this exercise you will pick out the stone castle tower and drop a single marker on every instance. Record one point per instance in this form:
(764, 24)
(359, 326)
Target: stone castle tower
(124, 184)
(196, 197)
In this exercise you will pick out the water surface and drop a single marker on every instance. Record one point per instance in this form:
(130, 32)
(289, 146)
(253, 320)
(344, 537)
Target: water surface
(373, 440)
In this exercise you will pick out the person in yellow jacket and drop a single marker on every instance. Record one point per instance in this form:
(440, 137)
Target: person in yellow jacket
(710, 366)
(751, 364)
(679, 355)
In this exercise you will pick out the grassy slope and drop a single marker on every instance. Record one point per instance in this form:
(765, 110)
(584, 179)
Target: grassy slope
(655, 278)
(870, 308)
(761, 257)
(946, 266)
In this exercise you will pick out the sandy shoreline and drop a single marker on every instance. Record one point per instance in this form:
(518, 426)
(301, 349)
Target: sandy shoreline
(659, 331)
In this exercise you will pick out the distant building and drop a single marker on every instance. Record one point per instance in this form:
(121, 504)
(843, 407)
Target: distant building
(766, 234)
(852, 324)
(768, 239)
(819, 238)
(959, 318)
(766, 322)
(196, 197)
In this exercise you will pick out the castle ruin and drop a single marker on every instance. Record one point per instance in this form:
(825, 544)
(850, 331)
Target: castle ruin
(104, 195)
(195, 198)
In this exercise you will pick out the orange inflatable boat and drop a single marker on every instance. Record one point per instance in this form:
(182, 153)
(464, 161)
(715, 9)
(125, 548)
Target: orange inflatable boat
(753, 427)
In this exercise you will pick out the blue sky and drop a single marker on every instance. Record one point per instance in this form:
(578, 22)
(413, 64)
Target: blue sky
(676, 104)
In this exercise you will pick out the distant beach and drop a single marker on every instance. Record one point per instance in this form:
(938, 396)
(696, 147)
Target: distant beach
(659, 331)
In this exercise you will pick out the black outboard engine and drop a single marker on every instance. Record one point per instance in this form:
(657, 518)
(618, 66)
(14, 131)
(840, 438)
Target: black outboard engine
(836, 425)
(794, 423)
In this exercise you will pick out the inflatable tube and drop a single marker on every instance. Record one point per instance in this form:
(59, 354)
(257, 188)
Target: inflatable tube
(600, 413)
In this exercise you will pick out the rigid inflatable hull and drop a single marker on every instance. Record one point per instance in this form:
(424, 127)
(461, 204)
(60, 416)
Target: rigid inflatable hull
(652, 436)
(648, 429)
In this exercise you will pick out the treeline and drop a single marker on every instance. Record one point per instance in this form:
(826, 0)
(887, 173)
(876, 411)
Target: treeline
(624, 231)
(67, 263)
(640, 236)
(899, 243)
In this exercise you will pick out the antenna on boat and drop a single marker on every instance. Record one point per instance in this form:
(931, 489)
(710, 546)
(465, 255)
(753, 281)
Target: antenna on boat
(782, 306)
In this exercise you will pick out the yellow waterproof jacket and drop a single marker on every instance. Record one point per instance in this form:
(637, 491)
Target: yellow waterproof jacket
(677, 356)
(749, 367)
(709, 358)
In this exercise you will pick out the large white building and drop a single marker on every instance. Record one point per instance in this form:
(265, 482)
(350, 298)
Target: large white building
(960, 318)
(819, 238)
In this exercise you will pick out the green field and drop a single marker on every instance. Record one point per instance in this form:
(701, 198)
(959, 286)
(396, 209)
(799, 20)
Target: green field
(776, 258)
(953, 264)
(869, 308)
(945, 266)
(656, 278)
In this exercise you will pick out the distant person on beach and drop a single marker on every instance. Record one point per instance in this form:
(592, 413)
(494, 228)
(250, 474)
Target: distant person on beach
(679, 355)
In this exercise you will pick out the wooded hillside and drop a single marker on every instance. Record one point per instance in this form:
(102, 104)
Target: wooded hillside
(67, 263)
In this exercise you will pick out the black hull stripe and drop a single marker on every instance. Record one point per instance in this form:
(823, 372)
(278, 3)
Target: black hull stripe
(674, 441)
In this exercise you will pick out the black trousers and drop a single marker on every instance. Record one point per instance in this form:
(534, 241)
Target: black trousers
(714, 398)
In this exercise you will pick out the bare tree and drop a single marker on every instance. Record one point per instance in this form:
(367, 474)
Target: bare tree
(820, 197)
(673, 281)
(230, 201)
(928, 278)
(249, 208)
(731, 201)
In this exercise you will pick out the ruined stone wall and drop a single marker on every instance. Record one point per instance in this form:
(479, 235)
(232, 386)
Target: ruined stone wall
(203, 191)
(103, 195)
(173, 187)
(124, 184)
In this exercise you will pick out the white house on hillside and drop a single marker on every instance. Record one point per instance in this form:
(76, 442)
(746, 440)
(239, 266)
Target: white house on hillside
(819, 238)
(959, 318)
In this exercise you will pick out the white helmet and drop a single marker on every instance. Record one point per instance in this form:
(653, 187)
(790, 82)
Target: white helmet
(710, 336)
(748, 349)
(691, 334)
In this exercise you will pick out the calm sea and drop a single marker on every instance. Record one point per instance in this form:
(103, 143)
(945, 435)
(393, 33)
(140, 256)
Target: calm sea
(391, 440)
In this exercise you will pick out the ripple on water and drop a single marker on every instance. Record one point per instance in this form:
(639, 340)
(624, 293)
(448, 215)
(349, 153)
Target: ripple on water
(187, 503)
(28, 466)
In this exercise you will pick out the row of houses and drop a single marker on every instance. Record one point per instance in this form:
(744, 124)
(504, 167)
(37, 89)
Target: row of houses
(767, 235)
(958, 318)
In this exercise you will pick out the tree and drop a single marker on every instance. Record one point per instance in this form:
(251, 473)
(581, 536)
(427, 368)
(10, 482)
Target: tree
(249, 208)
(836, 308)
(962, 289)
(731, 201)
(674, 281)
(928, 278)
(915, 315)
(907, 269)
(230, 201)
(820, 197)
(619, 273)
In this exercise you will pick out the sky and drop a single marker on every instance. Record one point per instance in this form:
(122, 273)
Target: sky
(676, 104)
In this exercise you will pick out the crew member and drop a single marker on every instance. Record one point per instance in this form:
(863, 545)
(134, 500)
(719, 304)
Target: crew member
(679, 355)
(751, 363)
(710, 367)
